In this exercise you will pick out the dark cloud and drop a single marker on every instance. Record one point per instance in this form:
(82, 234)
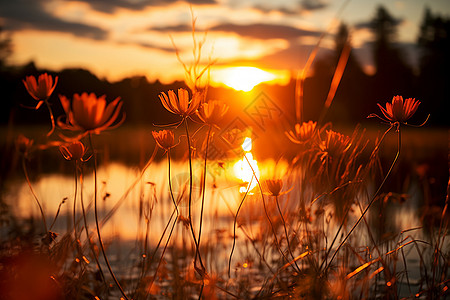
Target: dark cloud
(310, 5)
(23, 14)
(175, 28)
(301, 7)
(362, 25)
(152, 46)
(283, 10)
(291, 58)
(265, 31)
(109, 6)
(259, 31)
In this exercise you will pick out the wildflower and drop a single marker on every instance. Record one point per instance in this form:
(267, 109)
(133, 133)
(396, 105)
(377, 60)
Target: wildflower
(90, 114)
(180, 105)
(210, 289)
(399, 110)
(23, 144)
(164, 138)
(41, 89)
(303, 132)
(50, 237)
(73, 151)
(184, 221)
(212, 112)
(236, 140)
(274, 186)
(335, 144)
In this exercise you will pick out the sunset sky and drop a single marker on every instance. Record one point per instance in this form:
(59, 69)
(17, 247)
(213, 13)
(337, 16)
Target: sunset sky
(118, 38)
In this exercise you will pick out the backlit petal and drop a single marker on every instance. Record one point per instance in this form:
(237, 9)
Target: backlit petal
(387, 114)
(166, 103)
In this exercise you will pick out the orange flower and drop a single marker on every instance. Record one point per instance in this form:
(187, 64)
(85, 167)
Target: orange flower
(89, 113)
(211, 291)
(302, 133)
(399, 110)
(41, 89)
(212, 112)
(274, 186)
(23, 144)
(335, 144)
(164, 138)
(180, 105)
(73, 151)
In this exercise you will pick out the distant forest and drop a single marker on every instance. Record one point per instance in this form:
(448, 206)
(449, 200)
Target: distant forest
(355, 99)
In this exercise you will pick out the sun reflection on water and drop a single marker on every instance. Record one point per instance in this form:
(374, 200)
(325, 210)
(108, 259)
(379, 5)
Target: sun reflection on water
(247, 169)
(149, 196)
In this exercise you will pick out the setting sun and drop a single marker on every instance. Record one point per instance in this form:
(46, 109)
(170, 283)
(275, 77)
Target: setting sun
(242, 78)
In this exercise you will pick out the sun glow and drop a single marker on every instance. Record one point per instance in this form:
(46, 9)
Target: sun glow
(242, 78)
(247, 168)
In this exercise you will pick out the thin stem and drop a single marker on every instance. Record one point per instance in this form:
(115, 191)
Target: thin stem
(74, 217)
(285, 232)
(405, 265)
(86, 229)
(130, 188)
(265, 211)
(56, 216)
(375, 150)
(204, 186)
(440, 242)
(273, 230)
(234, 227)
(176, 209)
(197, 253)
(173, 225)
(51, 118)
(164, 251)
(252, 241)
(144, 258)
(162, 236)
(24, 167)
(170, 184)
(102, 247)
(74, 203)
(374, 197)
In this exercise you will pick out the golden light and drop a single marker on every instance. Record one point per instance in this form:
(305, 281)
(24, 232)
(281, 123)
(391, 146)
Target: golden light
(242, 78)
(247, 168)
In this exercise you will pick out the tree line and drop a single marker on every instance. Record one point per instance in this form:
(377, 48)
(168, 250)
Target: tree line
(355, 99)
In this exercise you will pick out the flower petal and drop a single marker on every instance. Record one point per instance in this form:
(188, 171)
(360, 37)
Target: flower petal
(386, 113)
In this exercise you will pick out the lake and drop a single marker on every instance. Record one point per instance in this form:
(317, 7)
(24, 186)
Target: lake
(135, 206)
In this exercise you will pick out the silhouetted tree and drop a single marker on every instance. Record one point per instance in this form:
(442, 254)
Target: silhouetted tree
(350, 97)
(348, 103)
(6, 80)
(141, 101)
(393, 74)
(5, 47)
(434, 77)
